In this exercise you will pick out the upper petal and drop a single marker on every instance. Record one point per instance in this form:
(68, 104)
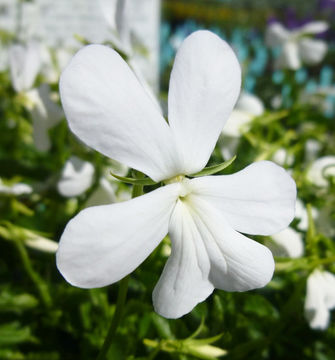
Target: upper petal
(25, 62)
(204, 86)
(184, 281)
(102, 244)
(259, 199)
(108, 109)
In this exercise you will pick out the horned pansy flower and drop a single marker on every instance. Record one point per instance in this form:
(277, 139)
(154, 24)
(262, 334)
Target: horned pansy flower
(109, 110)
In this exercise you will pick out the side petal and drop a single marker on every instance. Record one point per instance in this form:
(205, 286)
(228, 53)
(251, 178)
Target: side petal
(312, 51)
(184, 281)
(259, 199)
(314, 27)
(109, 110)
(204, 86)
(248, 264)
(102, 244)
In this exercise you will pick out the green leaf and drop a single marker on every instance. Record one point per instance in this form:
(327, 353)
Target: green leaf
(16, 303)
(210, 170)
(134, 181)
(12, 333)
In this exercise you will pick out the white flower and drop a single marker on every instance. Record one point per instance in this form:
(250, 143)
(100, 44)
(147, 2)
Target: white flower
(248, 106)
(282, 157)
(16, 189)
(25, 63)
(301, 214)
(77, 177)
(42, 244)
(320, 298)
(320, 170)
(296, 45)
(135, 28)
(287, 243)
(108, 109)
(103, 195)
(45, 114)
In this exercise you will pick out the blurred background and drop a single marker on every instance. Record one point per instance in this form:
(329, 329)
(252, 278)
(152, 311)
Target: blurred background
(285, 114)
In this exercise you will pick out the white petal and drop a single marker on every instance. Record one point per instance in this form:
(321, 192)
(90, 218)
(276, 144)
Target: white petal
(289, 243)
(46, 114)
(16, 189)
(312, 51)
(109, 110)
(259, 199)
(276, 35)
(321, 169)
(184, 281)
(236, 122)
(240, 264)
(289, 57)
(25, 62)
(42, 244)
(314, 27)
(102, 244)
(250, 104)
(204, 86)
(103, 195)
(77, 177)
(320, 294)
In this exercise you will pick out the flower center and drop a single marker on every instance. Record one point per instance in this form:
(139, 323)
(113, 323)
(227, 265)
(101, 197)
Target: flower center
(184, 182)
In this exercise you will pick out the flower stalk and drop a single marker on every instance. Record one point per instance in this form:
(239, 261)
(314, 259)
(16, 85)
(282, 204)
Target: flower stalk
(122, 295)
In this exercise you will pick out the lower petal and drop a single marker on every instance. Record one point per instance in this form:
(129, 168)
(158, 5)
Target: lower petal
(184, 281)
(249, 265)
(102, 244)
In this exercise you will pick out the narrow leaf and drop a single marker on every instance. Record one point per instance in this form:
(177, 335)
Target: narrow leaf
(133, 181)
(210, 170)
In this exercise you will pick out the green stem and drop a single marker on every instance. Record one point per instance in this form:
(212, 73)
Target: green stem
(122, 295)
(38, 282)
(121, 299)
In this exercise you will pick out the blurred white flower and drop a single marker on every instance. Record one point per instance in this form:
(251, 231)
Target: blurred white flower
(103, 195)
(108, 109)
(45, 114)
(16, 189)
(24, 63)
(247, 108)
(320, 170)
(320, 298)
(135, 28)
(296, 46)
(287, 243)
(77, 177)
(301, 214)
(312, 148)
(283, 157)
(42, 244)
